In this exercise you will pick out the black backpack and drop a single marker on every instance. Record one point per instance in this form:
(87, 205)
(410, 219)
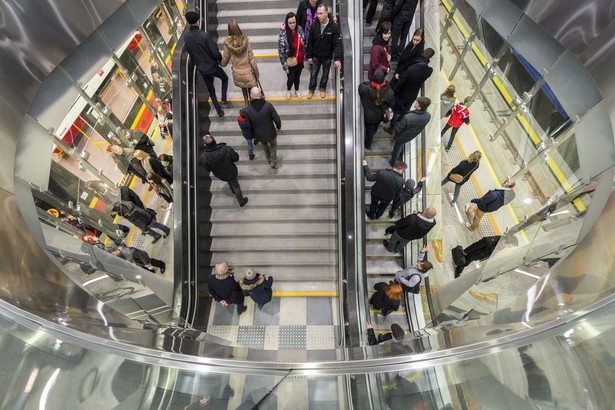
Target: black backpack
(417, 288)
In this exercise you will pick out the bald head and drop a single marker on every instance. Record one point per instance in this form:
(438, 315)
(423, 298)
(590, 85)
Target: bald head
(255, 93)
(430, 212)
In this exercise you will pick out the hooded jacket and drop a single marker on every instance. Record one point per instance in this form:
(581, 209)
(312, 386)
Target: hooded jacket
(494, 199)
(263, 119)
(203, 50)
(257, 288)
(325, 45)
(237, 50)
(284, 47)
(306, 14)
(373, 113)
(379, 58)
(414, 226)
(410, 125)
(411, 80)
(220, 160)
(388, 183)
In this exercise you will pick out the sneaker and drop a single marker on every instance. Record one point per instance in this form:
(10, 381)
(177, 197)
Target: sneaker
(288, 95)
(310, 95)
(251, 156)
(244, 202)
(164, 268)
(156, 239)
(297, 94)
(323, 93)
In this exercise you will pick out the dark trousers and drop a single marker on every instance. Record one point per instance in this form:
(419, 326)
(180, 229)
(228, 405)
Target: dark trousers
(157, 263)
(246, 95)
(399, 34)
(236, 189)
(370, 130)
(326, 67)
(294, 77)
(400, 108)
(154, 224)
(397, 147)
(209, 83)
(377, 207)
(449, 144)
(369, 16)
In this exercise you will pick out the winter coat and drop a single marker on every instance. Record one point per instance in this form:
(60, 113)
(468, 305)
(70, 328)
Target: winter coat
(306, 15)
(410, 55)
(458, 115)
(411, 125)
(373, 113)
(246, 129)
(388, 183)
(465, 169)
(407, 193)
(379, 58)
(225, 289)
(482, 249)
(284, 48)
(404, 10)
(203, 50)
(494, 199)
(325, 45)
(139, 217)
(237, 50)
(381, 301)
(257, 288)
(263, 119)
(413, 227)
(411, 80)
(388, 7)
(127, 194)
(446, 105)
(220, 160)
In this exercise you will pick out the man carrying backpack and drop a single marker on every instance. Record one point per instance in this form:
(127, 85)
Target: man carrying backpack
(412, 277)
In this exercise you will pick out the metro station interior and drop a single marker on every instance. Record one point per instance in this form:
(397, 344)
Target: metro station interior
(530, 327)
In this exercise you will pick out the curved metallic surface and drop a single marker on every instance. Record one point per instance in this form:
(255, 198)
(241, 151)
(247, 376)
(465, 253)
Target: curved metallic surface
(34, 283)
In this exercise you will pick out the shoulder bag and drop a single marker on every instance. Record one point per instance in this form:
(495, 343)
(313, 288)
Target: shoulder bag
(293, 61)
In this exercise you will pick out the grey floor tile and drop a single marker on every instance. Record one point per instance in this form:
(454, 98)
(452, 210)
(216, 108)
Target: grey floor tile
(269, 314)
(257, 388)
(319, 311)
(292, 337)
(251, 336)
(225, 315)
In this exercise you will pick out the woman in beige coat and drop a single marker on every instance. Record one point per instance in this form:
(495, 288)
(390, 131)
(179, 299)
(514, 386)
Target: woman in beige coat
(237, 50)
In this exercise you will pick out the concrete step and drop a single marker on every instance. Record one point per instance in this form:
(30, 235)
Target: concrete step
(290, 259)
(311, 186)
(380, 267)
(294, 244)
(285, 274)
(267, 230)
(274, 215)
(328, 199)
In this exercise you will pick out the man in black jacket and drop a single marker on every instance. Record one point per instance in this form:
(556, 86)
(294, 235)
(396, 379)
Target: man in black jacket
(389, 182)
(482, 249)
(414, 226)
(264, 121)
(220, 159)
(224, 289)
(324, 44)
(403, 14)
(206, 56)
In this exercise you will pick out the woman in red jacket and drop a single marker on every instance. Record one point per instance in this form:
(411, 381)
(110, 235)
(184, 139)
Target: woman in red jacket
(457, 116)
(381, 52)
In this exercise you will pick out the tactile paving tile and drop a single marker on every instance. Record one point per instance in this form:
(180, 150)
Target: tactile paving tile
(292, 337)
(320, 337)
(251, 336)
(224, 332)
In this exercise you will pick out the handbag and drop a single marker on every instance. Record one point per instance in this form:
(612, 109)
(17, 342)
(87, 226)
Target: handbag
(292, 61)
(456, 178)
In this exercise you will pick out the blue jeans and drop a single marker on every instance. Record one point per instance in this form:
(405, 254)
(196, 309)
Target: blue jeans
(250, 146)
(209, 83)
(457, 188)
(326, 67)
(154, 224)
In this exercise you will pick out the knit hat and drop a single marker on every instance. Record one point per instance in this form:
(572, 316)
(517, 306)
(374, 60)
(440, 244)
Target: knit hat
(250, 274)
(378, 76)
(221, 271)
(192, 17)
(409, 184)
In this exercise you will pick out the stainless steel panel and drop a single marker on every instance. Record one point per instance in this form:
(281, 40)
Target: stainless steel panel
(119, 27)
(599, 154)
(478, 5)
(142, 9)
(535, 44)
(571, 83)
(503, 16)
(33, 156)
(83, 64)
(573, 24)
(54, 98)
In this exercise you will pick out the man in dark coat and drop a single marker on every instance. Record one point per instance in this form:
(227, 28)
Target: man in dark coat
(140, 258)
(257, 286)
(491, 202)
(410, 125)
(306, 14)
(411, 80)
(482, 249)
(141, 218)
(323, 45)
(264, 121)
(376, 98)
(389, 182)
(206, 56)
(403, 14)
(224, 289)
(220, 159)
(414, 226)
